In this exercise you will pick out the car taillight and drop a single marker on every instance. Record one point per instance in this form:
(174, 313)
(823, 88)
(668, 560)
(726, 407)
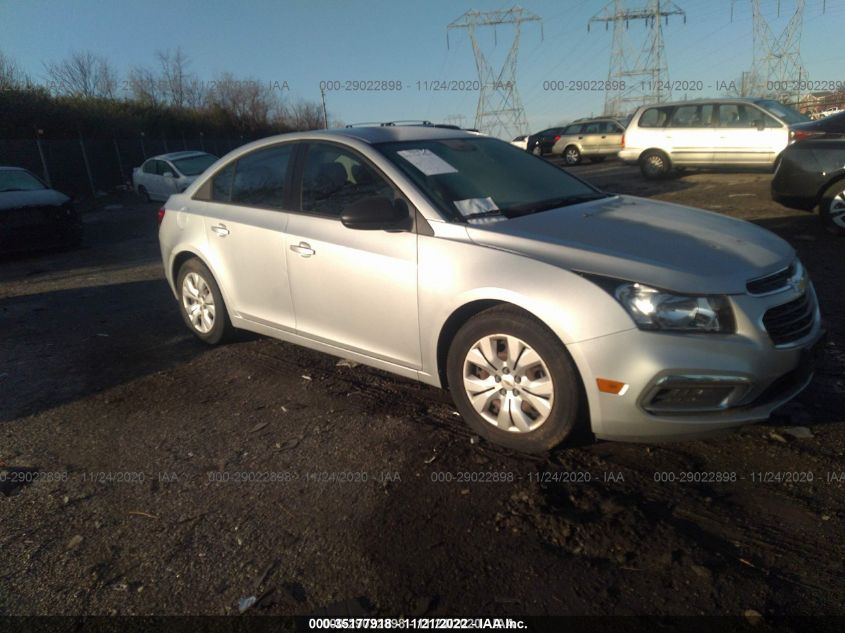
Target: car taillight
(160, 214)
(802, 135)
(622, 142)
(557, 138)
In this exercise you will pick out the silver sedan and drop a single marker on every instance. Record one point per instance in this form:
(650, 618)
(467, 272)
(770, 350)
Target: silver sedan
(540, 302)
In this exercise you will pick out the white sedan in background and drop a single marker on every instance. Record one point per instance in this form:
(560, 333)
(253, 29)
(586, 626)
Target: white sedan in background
(163, 175)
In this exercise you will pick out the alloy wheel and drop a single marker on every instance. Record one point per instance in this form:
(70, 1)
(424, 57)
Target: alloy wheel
(837, 209)
(572, 156)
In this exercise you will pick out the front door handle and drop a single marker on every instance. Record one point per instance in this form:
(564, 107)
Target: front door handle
(303, 248)
(220, 230)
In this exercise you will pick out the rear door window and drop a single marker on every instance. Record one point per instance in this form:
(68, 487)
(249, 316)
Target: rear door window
(692, 116)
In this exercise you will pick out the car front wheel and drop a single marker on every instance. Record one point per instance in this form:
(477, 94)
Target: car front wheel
(513, 381)
(832, 208)
(201, 303)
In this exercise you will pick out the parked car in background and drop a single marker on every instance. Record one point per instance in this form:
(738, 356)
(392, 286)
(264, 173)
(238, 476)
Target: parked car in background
(595, 139)
(708, 133)
(541, 143)
(832, 126)
(521, 142)
(163, 175)
(811, 173)
(457, 260)
(34, 216)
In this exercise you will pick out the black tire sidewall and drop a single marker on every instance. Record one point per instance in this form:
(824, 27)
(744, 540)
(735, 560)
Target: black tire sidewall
(565, 415)
(222, 327)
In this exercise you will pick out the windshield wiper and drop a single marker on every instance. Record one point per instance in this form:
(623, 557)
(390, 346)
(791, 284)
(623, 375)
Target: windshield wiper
(551, 203)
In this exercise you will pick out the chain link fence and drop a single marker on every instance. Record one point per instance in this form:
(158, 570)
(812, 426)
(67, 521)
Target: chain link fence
(86, 168)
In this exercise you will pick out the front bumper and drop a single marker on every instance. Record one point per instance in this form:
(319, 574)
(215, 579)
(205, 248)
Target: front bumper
(765, 376)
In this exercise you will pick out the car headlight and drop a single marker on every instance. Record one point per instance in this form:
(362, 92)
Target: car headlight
(654, 309)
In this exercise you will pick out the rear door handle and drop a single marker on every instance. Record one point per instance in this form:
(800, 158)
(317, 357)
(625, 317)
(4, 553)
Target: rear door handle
(220, 230)
(303, 248)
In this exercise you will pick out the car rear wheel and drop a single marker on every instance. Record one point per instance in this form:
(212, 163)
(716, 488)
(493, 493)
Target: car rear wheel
(201, 303)
(832, 208)
(571, 155)
(654, 164)
(537, 151)
(145, 195)
(513, 381)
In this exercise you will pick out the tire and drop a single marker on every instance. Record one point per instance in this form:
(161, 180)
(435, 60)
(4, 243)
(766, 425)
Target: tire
(654, 165)
(145, 195)
(571, 155)
(470, 372)
(216, 329)
(832, 208)
(537, 151)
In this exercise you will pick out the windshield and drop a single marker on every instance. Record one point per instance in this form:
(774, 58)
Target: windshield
(784, 113)
(194, 165)
(485, 179)
(19, 180)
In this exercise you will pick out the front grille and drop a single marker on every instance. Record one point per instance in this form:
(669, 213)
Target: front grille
(791, 321)
(771, 283)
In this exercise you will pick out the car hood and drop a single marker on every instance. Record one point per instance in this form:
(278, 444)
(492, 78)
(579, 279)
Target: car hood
(38, 198)
(656, 243)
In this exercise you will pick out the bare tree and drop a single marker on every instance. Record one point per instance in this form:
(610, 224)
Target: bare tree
(144, 86)
(12, 76)
(251, 103)
(181, 87)
(303, 115)
(83, 74)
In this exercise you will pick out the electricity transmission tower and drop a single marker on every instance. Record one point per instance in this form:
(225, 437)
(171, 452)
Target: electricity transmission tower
(635, 81)
(499, 112)
(777, 71)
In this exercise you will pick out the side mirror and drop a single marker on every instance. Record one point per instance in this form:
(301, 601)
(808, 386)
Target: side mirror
(761, 125)
(168, 174)
(377, 214)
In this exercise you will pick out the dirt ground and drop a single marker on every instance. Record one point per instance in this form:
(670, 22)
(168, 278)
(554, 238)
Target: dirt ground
(144, 473)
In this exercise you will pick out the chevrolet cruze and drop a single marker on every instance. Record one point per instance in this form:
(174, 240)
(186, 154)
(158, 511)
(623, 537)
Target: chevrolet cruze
(542, 303)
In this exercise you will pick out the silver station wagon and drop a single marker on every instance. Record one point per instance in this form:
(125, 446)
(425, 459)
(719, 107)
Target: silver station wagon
(542, 303)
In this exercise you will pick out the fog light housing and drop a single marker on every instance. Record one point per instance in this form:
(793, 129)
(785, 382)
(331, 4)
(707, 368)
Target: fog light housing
(695, 394)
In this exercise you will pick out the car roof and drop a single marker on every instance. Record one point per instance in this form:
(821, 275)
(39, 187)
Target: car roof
(703, 100)
(388, 133)
(177, 155)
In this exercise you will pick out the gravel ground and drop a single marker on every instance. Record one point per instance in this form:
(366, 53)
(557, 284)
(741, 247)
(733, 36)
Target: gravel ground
(166, 477)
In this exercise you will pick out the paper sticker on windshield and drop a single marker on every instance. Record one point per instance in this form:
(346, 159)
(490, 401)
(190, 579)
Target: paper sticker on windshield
(476, 206)
(427, 161)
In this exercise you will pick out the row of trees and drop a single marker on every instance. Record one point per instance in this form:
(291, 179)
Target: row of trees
(168, 87)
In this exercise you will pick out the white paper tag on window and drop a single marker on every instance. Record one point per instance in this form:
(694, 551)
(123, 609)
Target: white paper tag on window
(476, 206)
(427, 161)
